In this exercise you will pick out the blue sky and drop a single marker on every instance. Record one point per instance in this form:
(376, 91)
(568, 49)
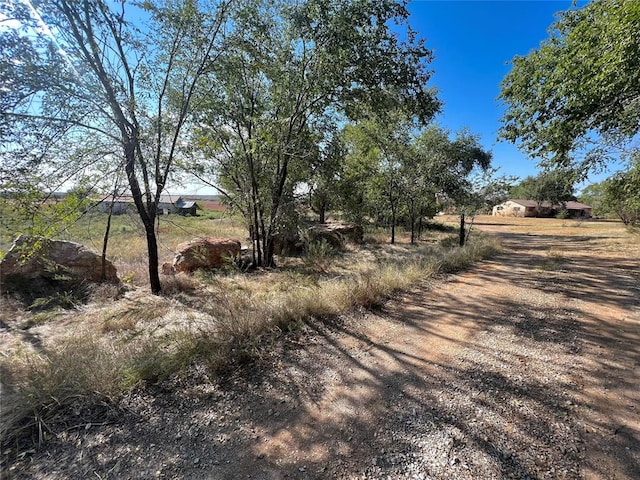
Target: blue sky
(473, 43)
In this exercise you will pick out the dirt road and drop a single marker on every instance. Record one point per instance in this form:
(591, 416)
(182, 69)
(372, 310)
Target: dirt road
(526, 366)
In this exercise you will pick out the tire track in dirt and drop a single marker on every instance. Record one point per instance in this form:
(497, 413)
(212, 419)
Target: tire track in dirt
(529, 369)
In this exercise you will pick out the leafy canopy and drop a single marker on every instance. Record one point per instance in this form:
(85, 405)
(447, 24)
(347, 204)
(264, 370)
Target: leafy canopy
(581, 86)
(555, 187)
(291, 73)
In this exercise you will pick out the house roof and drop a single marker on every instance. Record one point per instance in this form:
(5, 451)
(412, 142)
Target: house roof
(570, 205)
(167, 198)
(576, 206)
(529, 203)
(117, 199)
(164, 198)
(183, 204)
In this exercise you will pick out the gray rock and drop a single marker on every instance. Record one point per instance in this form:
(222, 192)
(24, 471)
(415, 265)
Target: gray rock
(336, 233)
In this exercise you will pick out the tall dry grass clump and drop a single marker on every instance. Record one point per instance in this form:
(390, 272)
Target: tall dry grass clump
(38, 386)
(81, 379)
(371, 284)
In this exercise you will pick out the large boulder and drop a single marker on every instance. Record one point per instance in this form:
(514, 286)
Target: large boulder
(204, 253)
(336, 233)
(288, 244)
(38, 258)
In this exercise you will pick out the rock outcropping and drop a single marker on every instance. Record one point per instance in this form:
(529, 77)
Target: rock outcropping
(38, 258)
(336, 233)
(203, 253)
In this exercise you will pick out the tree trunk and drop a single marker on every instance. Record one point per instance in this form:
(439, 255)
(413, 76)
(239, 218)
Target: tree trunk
(321, 214)
(276, 200)
(413, 230)
(147, 213)
(393, 226)
(473, 219)
(269, 246)
(105, 241)
(152, 247)
(412, 219)
(257, 252)
(254, 221)
(462, 230)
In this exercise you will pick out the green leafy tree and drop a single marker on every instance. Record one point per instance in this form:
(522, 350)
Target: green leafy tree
(387, 138)
(622, 193)
(580, 91)
(289, 71)
(87, 77)
(554, 187)
(418, 189)
(359, 181)
(451, 162)
(594, 196)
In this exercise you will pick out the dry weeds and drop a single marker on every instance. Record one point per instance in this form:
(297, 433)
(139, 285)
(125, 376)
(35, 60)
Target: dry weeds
(63, 361)
(476, 404)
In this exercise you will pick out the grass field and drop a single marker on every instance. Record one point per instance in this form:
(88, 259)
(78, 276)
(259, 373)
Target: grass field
(127, 244)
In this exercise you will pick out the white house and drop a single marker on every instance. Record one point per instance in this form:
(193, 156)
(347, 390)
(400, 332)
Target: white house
(531, 208)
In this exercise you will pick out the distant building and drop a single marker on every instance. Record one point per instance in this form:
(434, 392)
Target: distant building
(118, 205)
(531, 208)
(167, 204)
(186, 207)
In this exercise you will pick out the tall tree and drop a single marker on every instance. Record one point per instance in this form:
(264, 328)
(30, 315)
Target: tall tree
(451, 162)
(388, 139)
(554, 186)
(581, 86)
(622, 193)
(89, 76)
(418, 188)
(358, 178)
(291, 70)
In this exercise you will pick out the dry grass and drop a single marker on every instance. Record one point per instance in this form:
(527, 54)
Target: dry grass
(555, 260)
(38, 386)
(60, 366)
(96, 353)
